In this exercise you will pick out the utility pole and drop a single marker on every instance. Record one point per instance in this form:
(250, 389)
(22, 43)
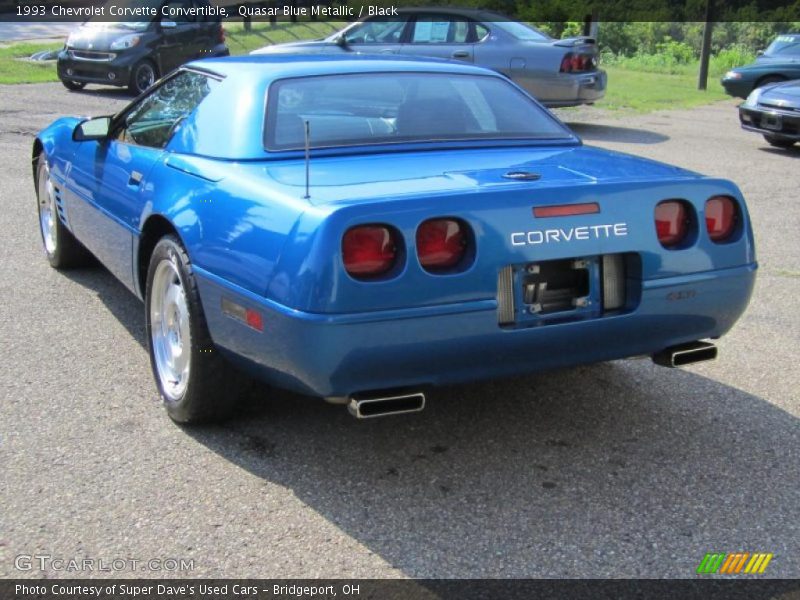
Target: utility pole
(705, 49)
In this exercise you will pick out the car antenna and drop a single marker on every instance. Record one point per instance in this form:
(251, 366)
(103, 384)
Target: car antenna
(307, 132)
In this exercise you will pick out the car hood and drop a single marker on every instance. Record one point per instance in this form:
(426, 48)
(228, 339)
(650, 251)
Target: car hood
(768, 61)
(310, 46)
(96, 38)
(782, 93)
(349, 178)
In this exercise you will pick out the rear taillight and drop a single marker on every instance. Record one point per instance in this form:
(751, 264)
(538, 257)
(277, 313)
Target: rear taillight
(577, 63)
(721, 218)
(673, 218)
(441, 244)
(369, 250)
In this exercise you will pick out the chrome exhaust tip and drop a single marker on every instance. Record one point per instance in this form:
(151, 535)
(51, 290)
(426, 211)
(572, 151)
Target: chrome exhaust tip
(685, 354)
(384, 406)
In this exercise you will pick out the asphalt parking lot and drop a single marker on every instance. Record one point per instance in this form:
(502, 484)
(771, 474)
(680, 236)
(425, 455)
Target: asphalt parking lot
(622, 469)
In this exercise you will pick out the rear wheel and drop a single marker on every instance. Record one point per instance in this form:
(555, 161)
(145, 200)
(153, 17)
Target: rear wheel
(195, 383)
(60, 246)
(143, 75)
(73, 85)
(778, 142)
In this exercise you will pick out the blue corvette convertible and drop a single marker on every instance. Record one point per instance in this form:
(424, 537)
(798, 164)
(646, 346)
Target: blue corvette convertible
(361, 228)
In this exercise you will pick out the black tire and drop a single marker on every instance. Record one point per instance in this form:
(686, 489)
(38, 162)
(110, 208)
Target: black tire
(778, 142)
(73, 86)
(211, 388)
(143, 75)
(63, 251)
(769, 79)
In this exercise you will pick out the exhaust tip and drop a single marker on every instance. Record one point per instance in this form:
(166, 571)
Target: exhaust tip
(685, 354)
(384, 406)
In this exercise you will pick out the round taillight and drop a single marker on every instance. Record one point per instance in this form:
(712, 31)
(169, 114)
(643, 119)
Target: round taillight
(672, 222)
(441, 244)
(721, 217)
(369, 250)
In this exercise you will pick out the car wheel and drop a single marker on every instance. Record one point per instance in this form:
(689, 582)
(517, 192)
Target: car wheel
(195, 383)
(63, 251)
(73, 85)
(143, 75)
(768, 80)
(778, 142)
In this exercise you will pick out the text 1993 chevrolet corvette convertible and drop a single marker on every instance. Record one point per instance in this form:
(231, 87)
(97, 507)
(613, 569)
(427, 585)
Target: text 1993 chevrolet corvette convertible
(361, 228)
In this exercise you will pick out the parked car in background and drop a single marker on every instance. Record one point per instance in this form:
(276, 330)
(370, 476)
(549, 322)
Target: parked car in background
(134, 54)
(774, 112)
(556, 72)
(779, 62)
(361, 228)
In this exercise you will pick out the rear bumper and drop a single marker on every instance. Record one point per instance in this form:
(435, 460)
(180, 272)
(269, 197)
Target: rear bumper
(340, 354)
(567, 89)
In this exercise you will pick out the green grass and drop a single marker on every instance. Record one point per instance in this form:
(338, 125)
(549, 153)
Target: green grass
(15, 70)
(645, 92)
(628, 89)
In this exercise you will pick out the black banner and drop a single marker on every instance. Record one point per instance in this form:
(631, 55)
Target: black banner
(348, 10)
(423, 589)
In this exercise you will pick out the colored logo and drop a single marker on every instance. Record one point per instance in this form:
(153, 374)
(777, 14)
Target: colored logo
(735, 563)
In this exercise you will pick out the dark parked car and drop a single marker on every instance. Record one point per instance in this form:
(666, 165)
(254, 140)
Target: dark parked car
(774, 111)
(136, 53)
(779, 62)
(556, 72)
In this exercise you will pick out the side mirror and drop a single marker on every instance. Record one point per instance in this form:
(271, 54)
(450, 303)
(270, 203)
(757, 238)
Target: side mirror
(759, 53)
(92, 129)
(341, 41)
(168, 24)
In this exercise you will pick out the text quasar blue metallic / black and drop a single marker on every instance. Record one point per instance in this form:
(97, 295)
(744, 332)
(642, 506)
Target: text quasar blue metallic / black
(254, 240)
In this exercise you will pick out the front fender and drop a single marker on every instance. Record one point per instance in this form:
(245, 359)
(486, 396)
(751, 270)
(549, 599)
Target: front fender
(56, 142)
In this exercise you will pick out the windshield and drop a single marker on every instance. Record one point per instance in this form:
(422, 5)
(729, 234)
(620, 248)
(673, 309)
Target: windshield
(386, 108)
(129, 11)
(784, 45)
(521, 31)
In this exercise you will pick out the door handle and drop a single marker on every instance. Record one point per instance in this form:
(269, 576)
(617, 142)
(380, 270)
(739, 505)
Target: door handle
(461, 54)
(135, 179)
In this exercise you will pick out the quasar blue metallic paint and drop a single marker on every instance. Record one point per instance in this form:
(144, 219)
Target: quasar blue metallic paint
(253, 239)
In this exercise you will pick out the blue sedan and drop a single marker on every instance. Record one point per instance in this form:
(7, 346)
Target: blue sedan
(362, 228)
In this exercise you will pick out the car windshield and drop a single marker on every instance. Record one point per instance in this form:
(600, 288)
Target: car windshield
(784, 45)
(386, 108)
(123, 7)
(521, 31)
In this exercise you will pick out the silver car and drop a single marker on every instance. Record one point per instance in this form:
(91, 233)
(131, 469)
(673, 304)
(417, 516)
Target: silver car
(556, 72)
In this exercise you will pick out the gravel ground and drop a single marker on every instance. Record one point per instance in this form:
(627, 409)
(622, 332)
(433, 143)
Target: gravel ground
(621, 469)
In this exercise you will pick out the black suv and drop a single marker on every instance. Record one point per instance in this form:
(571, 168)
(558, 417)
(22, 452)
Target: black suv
(136, 53)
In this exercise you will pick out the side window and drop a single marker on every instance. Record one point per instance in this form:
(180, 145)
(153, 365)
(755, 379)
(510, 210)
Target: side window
(154, 119)
(480, 32)
(439, 29)
(377, 31)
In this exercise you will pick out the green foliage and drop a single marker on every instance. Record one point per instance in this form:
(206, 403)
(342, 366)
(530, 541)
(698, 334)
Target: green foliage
(640, 91)
(15, 68)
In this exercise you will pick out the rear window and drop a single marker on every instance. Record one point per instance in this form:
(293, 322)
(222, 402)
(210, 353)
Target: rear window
(375, 108)
(522, 32)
